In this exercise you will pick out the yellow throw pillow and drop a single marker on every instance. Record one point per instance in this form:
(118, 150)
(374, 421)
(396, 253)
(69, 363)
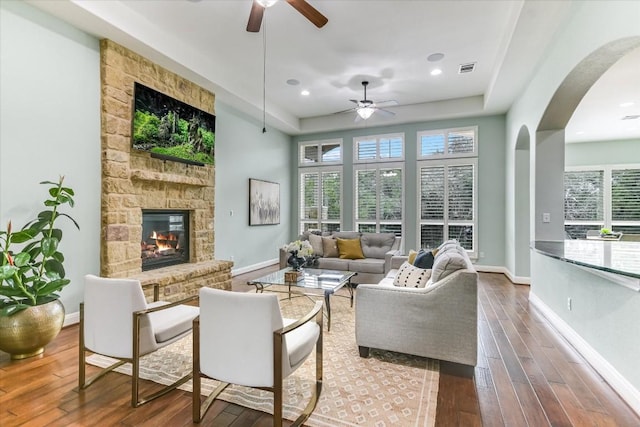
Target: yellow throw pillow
(412, 256)
(350, 249)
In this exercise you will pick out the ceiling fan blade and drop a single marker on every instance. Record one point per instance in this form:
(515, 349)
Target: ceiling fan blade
(310, 12)
(384, 113)
(349, 110)
(355, 101)
(255, 18)
(388, 103)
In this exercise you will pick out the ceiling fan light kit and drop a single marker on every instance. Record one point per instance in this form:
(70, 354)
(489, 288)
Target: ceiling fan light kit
(365, 112)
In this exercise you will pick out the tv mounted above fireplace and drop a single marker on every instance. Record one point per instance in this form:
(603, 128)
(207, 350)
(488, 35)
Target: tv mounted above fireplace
(170, 129)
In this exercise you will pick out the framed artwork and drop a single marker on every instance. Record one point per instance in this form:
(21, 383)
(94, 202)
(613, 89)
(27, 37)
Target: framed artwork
(264, 202)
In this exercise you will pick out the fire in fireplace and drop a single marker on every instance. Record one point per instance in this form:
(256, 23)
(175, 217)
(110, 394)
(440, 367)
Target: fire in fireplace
(165, 238)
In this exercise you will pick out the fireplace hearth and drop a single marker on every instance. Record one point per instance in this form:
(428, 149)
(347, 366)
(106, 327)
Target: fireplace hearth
(165, 238)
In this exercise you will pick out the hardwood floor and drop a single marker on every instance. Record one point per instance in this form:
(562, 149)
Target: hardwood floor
(526, 375)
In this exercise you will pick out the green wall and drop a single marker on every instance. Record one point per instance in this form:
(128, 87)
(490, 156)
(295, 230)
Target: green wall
(491, 179)
(243, 152)
(602, 153)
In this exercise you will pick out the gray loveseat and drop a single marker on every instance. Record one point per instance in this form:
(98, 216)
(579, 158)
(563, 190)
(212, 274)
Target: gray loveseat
(439, 320)
(377, 248)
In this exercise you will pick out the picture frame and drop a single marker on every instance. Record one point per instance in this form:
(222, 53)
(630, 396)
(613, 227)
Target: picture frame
(264, 202)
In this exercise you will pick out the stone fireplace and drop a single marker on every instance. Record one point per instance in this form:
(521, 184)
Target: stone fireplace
(134, 183)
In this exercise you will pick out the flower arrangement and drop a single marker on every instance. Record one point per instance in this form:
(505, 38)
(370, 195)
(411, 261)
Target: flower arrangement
(300, 251)
(299, 248)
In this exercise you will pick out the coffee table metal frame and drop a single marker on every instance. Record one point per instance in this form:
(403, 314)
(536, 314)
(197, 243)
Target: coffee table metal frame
(329, 281)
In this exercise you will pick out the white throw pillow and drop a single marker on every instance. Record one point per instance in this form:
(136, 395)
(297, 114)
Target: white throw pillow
(411, 276)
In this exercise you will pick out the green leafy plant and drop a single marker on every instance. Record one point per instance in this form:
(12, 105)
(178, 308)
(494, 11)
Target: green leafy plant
(32, 274)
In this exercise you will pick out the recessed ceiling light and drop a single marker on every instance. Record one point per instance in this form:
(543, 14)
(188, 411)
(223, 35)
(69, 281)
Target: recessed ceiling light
(435, 57)
(436, 72)
(627, 104)
(305, 93)
(293, 82)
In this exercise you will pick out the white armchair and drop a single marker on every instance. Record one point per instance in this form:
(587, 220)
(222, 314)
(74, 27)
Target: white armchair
(241, 338)
(116, 321)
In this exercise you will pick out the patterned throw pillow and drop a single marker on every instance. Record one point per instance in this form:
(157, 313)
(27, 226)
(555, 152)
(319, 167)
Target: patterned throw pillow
(411, 276)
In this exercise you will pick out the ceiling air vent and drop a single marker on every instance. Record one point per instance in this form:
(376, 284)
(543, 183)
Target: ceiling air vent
(633, 117)
(466, 68)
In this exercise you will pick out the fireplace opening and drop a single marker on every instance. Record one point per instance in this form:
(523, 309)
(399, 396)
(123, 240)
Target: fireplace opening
(165, 238)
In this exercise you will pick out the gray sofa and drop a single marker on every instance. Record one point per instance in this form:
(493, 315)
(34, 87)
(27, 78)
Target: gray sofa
(438, 321)
(378, 249)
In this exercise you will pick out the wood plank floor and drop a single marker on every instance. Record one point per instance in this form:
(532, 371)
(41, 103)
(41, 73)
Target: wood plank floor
(527, 375)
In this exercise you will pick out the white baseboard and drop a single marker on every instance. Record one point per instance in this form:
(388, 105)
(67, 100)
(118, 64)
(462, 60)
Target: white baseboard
(626, 390)
(71, 319)
(518, 280)
(250, 268)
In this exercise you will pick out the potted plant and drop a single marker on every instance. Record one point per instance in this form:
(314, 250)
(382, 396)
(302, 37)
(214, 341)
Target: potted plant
(31, 275)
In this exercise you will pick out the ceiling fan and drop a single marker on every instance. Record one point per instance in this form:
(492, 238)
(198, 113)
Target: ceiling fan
(258, 7)
(366, 107)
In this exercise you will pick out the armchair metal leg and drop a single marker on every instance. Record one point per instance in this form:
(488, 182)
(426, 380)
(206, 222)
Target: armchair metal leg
(200, 408)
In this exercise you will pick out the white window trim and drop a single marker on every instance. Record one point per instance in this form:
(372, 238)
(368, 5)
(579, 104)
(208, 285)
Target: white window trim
(446, 155)
(378, 159)
(377, 166)
(607, 219)
(320, 170)
(319, 144)
(440, 161)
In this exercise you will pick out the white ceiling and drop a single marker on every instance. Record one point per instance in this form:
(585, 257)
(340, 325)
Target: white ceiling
(384, 42)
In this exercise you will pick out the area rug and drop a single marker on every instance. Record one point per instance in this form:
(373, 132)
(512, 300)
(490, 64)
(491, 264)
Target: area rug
(386, 389)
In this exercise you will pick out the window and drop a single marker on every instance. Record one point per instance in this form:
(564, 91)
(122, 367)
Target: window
(320, 200)
(607, 196)
(379, 198)
(320, 152)
(381, 148)
(447, 182)
(447, 143)
(379, 183)
(320, 185)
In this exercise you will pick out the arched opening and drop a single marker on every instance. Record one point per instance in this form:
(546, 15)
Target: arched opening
(548, 222)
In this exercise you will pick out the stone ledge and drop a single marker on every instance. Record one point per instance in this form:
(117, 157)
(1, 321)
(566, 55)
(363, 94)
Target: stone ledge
(143, 175)
(182, 272)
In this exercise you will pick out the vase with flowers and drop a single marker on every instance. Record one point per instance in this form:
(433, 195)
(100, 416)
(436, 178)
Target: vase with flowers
(298, 251)
(31, 275)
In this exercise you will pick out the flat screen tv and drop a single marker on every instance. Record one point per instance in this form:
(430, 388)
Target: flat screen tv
(170, 129)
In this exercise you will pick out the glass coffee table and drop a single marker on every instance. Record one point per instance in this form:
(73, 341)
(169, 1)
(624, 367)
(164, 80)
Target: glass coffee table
(312, 282)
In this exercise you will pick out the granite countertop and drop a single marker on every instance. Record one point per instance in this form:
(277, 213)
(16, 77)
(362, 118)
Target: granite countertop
(618, 257)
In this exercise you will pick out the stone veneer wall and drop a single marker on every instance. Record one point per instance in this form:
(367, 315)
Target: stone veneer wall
(132, 181)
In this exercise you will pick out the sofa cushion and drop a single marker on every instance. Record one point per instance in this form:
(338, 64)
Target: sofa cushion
(316, 244)
(446, 263)
(424, 259)
(367, 265)
(333, 264)
(329, 247)
(376, 245)
(411, 276)
(350, 249)
(346, 235)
